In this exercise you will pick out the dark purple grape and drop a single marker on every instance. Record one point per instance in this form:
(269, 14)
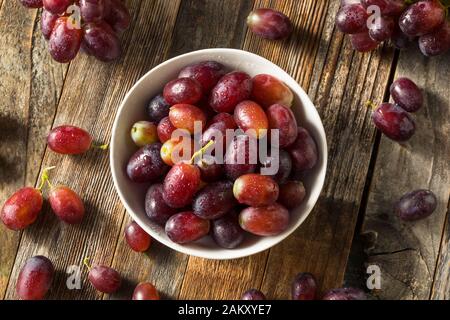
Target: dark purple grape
(227, 232)
(57, 6)
(362, 42)
(146, 164)
(253, 294)
(352, 19)
(394, 122)
(345, 294)
(183, 91)
(207, 73)
(407, 94)
(214, 201)
(101, 41)
(238, 160)
(304, 287)
(270, 24)
(231, 89)
(32, 3)
(92, 10)
(155, 207)
(437, 42)
(118, 17)
(282, 118)
(158, 109)
(387, 7)
(382, 28)
(65, 41)
(416, 205)
(186, 227)
(48, 21)
(105, 279)
(35, 278)
(292, 194)
(303, 152)
(284, 163)
(210, 171)
(422, 17)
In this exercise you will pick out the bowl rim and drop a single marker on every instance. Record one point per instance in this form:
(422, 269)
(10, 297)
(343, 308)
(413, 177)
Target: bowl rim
(232, 254)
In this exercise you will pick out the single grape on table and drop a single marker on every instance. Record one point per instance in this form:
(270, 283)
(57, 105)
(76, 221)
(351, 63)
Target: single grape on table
(145, 291)
(394, 122)
(407, 94)
(137, 238)
(304, 287)
(270, 24)
(345, 294)
(104, 279)
(253, 294)
(66, 204)
(416, 205)
(69, 140)
(35, 278)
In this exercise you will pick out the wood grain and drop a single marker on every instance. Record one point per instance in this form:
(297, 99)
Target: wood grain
(441, 283)
(407, 252)
(30, 90)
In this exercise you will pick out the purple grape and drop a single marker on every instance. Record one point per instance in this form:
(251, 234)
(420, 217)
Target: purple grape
(437, 42)
(156, 208)
(241, 147)
(146, 164)
(270, 24)
(345, 294)
(304, 287)
(65, 41)
(382, 29)
(285, 166)
(227, 232)
(362, 42)
(105, 279)
(158, 109)
(186, 227)
(394, 122)
(253, 294)
(214, 201)
(303, 152)
(210, 171)
(207, 73)
(32, 3)
(92, 10)
(35, 278)
(101, 41)
(387, 7)
(422, 17)
(416, 205)
(352, 19)
(407, 94)
(292, 194)
(118, 17)
(48, 21)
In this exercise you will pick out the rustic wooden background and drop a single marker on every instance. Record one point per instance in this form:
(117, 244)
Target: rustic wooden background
(352, 225)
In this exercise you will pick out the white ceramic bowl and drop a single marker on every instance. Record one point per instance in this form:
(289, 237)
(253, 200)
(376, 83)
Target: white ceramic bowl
(132, 110)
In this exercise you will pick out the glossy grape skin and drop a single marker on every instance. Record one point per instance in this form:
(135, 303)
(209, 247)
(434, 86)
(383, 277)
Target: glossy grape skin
(283, 119)
(421, 18)
(227, 232)
(92, 10)
(158, 109)
(165, 130)
(210, 171)
(268, 90)
(56, 6)
(185, 116)
(437, 42)
(270, 24)
(101, 41)
(32, 3)
(181, 184)
(382, 29)
(284, 163)
(174, 151)
(145, 291)
(225, 118)
(303, 152)
(231, 89)
(146, 164)
(137, 238)
(69, 140)
(22, 209)
(64, 42)
(48, 21)
(256, 190)
(387, 7)
(352, 19)
(253, 294)
(416, 205)
(251, 116)
(35, 278)
(105, 279)
(362, 42)
(214, 201)
(304, 287)
(207, 73)
(183, 91)
(265, 221)
(241, 147)
(218, 129)
(67, 205)
(186, 227)
(345, 294)
(394, 122)
(407, 94)
(292, 194)
(144, 133)
(156, 208)
(119, 17)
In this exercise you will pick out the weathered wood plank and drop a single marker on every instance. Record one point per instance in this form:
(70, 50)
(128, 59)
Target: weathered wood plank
(30, 89)
(441, 284)
(200, 25)
(407, 253)
(91, 95)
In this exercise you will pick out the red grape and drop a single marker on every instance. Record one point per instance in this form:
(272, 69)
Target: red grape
(32, 3)
(387, 7)
(270, 24)
(144, 133)
(268, 90)
(218, 129)
(416, 205)
(57, 6)
(165, 129)
(146, 164)
(238, 158)
(207, 73)
(105, 279)
(69, 140)
(48, 21)
(183, 91)
(181, 184)
(437, 42)
(407, 94)
(210, 171)
(303, 152)
(284, 163)
(345, 294)
(92, 10)
(214, 201)
(118, 17)
(186, 116)
(186, 227)
(362, 42)
(101, 41)
(145, 291)
(304, 287)
(382, 29)
(22, 208)
(67, 205)
(422, 17)
(292, 194)
(256, 190)
(155, 207)
(253, 294)
(250, 116)
(158, 109)
(225, 118)
(65, 40)
(35, 278)
(265, 221)
(282, 119)
(352, 19)
(227, 232)
(394, 122)
(137, 238)
(231, 89)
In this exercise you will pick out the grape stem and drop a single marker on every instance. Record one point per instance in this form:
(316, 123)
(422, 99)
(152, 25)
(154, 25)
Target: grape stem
(87, 264)
(45, 178)
(201, 151)
(101, 147)
(371, 105)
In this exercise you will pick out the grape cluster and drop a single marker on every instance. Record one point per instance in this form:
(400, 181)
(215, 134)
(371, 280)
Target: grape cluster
(93, 26)
(371, 22)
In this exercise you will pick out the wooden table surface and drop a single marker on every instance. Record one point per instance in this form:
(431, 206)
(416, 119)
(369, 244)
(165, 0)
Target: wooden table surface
(352, 225)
